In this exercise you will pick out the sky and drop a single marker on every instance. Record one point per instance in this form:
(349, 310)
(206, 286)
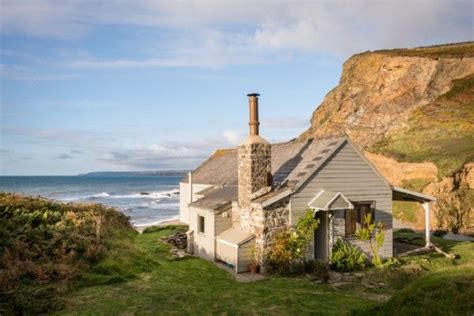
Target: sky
(155, 85)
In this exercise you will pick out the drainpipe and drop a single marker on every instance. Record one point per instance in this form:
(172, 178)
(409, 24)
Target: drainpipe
(190, 174)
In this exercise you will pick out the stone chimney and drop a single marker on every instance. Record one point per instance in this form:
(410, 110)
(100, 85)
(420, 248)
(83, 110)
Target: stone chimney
(254, 161)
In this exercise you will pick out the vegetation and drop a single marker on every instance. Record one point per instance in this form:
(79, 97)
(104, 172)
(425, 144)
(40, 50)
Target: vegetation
(406, 211)
(46, 246)
(441, 132)
(136, 273)
(375, 234)
(455, 50)
(428, 284)
(455, 214)
(346, 257)
(291, 244)
(191, 285)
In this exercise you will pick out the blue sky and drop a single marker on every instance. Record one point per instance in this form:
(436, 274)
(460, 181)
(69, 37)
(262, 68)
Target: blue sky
(151, 85)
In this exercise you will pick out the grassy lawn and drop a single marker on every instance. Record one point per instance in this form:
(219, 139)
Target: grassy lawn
(423, 284)
(191, 285)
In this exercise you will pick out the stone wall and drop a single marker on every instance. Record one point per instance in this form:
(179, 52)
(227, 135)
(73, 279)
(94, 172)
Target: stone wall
(254, 170)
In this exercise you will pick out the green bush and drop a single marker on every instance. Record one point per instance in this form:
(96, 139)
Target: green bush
(290, 246)
(346, 257)
(46, 245)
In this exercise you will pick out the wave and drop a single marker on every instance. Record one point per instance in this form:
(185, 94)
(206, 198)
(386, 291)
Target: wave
(142, 195)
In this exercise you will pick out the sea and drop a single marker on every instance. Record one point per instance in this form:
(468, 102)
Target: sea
(147, 200)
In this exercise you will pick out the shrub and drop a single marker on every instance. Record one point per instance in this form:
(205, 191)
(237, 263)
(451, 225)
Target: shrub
(290, 245)
(375, 234)
(346, 257)
(46, 245)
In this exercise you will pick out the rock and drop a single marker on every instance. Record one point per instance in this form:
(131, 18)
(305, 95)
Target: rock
(457, 237)
(334, 276)
(179, 240)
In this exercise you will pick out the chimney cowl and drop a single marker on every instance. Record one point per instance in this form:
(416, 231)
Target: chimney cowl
(253, 94)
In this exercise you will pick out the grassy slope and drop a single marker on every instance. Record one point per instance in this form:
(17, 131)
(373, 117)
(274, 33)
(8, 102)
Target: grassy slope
(192, 286)
(455, 50)
(442, 287)
(441, 132)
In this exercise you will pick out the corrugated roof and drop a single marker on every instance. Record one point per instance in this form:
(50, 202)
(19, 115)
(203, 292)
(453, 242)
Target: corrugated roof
(217, 198)
(235, 236)
(291, 162)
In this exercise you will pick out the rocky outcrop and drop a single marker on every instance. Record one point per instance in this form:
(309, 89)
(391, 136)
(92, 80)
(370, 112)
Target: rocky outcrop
(412, 112)
(378, 91)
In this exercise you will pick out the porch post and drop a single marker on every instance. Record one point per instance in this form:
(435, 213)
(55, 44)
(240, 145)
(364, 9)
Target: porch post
(426, 206)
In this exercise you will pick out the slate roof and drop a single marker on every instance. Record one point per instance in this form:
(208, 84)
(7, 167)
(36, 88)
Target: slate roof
(217, 198)
(291, 162)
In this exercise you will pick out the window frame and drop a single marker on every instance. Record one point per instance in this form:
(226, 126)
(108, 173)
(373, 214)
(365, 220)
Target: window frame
(201, 226)
(357, 217)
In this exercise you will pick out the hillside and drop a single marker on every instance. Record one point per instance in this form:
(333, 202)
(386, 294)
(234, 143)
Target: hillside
(412, 111)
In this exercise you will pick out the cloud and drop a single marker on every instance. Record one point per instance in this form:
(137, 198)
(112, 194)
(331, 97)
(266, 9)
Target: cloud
(217, 34)
(78, 138)
(24, 73)
(64, 156)
(172, 154)
(76, 152)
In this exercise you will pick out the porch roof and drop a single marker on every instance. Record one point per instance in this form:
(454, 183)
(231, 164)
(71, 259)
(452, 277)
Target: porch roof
(327, 200)
(400, 194)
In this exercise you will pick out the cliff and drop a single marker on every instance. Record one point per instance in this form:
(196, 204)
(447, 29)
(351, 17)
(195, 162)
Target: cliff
(412, 111)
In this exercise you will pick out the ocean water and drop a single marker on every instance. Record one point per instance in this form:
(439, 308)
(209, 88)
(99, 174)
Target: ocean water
(147, 200)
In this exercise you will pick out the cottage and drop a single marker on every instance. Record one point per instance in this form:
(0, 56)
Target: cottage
(239, 199)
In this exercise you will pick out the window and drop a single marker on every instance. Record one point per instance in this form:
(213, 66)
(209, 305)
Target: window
(355, 217)
(201, 224)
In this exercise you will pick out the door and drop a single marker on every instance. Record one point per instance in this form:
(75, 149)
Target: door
(321, 237)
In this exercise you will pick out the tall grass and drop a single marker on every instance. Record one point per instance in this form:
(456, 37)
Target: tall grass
(45, 246)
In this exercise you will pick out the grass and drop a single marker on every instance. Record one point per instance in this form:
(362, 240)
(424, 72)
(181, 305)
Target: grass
(191, 285)
(405, 211)
(441, 132)
(136, 274)
(195, 286)
(455, 50)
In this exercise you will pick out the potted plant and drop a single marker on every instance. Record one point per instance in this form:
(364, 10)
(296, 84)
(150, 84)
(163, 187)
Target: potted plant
(253, 265)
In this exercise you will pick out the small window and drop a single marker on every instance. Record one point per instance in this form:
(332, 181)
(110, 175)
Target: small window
(201, 224)
(355, 217)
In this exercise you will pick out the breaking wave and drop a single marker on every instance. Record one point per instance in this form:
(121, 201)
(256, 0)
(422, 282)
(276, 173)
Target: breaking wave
(142, 195)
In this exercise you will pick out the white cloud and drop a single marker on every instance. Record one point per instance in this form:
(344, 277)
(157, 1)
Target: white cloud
(23, 73)
(216, 34)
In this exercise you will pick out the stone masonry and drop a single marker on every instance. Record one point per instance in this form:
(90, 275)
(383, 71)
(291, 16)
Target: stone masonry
(254, 170)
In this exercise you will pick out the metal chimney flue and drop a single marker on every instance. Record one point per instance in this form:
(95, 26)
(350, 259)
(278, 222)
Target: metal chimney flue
(253, 108)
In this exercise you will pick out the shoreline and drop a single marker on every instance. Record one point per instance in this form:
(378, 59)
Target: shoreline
(166, 222)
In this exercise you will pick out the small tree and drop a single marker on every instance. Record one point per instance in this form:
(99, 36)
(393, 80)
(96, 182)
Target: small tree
(291, 243)
(375, 234)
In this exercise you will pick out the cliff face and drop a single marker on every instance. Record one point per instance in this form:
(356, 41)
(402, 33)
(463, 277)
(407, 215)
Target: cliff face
(412, 111)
